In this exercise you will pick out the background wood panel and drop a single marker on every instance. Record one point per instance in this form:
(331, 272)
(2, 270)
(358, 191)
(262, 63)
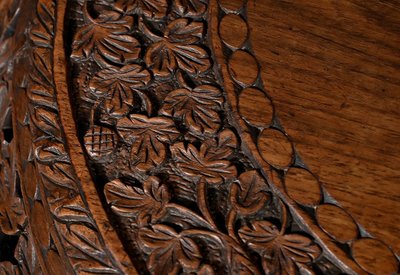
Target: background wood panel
(333, 70)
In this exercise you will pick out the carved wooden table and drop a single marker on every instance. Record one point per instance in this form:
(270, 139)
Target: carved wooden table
(158, 137)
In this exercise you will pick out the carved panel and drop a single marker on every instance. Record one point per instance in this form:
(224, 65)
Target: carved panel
(185, 172)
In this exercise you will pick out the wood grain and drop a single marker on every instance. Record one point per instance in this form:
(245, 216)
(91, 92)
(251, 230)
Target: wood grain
(333, 71)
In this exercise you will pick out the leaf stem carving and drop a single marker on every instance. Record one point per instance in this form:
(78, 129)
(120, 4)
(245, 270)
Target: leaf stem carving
(202, 201)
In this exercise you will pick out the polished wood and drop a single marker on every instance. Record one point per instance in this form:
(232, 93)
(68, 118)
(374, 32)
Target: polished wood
(333, 70)
(199, 137)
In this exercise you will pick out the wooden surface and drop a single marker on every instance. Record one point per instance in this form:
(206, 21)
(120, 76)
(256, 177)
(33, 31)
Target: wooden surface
(177, 137)
(333, 71)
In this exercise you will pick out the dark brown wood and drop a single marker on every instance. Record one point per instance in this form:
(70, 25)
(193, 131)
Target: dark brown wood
(163, 137)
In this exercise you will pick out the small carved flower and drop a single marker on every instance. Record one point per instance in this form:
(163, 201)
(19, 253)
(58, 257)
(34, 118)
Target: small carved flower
(169, 251)
(133, 202)
(195, 164)
(106, 40)
(148, 137)
(117, 86)
(177, 49)
(279, 251)
(198, 108)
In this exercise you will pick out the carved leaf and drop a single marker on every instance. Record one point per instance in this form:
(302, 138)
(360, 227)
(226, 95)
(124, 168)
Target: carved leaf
(46, 121)
(279, 251)
(87, 247)
(148, 137)
(100, 141)
(177, 49)
(198, 108)
(135, 202)
(223, 146)
(192, 59)
(169, 251)
(116, 85)
(194, 164)
(183, 189)
(106, 40)
(249, 195)
(190, 7)
(184, 32)
(12, 214)
(25, 254)
(149, 8)
(161, 59)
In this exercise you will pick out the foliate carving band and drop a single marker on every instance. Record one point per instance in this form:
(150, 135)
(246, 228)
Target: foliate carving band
(175, 160)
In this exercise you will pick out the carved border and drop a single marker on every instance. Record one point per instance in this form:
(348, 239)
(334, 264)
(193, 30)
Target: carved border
(277, 173)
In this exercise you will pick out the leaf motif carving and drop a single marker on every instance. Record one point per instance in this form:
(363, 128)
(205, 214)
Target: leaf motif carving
(148, 137)
(169, 251)
(198, 108)
(249, 194)
(279, 251)
(194, 164)
(177, 50)
(12, 214)
(150, 8)
(190, 7)
(106, 40)
(25, 254)
(140, 203)
(222, 147)
(117, 86)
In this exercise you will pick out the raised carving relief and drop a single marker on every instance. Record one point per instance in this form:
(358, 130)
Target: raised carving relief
(167, 147)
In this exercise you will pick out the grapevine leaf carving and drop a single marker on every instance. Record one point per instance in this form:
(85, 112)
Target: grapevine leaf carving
(223, 147)
(135, 202)
(177, 50)
(194, 164)
(249, 194)
(198, 108)
(149, 8)
(279, 251)
(169, 251)
(107, 41)
(117, 86)
(190, 7)
(148, 137)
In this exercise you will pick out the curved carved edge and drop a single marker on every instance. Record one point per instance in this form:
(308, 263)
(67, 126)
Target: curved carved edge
(109, 236)
(276, 172)
(62, 234)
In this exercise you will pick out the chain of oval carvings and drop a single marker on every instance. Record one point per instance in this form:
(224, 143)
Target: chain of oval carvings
(258, 126)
